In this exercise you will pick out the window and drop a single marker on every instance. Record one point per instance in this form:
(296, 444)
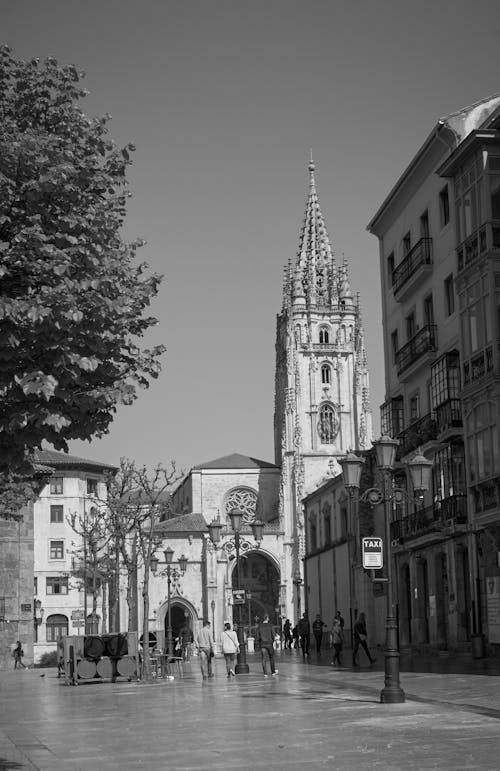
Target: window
(406, 243)
(414, 404)
(57, 550)
(449, 295)
(57, 626)
(56, 485)
(245, 499)
(328, 424)
(410, 326)
(35, 586)
(314, 535)
(56, 514)
(424, 225)
(444, 206)
(428, 310)
(326, 374)
(327, 528)
(392, 416)
(91, 486)
(482, 441)
(324, 337)
(448, 472)
(390, 268)
(56, 584)
(394, 345)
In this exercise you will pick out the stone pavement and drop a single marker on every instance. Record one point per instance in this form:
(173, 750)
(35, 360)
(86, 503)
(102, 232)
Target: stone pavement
(311, 716)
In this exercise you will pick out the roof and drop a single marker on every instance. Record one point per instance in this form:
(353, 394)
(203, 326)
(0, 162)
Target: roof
(457, 126)
(185, 523)
(61, 460)
(140, 496)
(235, 460)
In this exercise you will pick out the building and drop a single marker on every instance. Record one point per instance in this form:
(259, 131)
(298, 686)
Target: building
(439, 241)
(75, 487)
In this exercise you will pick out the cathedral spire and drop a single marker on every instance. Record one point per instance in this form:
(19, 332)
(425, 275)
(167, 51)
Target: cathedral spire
(315, 270)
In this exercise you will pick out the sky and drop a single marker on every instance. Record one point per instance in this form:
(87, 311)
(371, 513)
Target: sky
(224, 100)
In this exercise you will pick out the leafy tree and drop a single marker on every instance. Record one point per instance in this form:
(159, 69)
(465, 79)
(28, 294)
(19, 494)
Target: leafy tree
(73, 298)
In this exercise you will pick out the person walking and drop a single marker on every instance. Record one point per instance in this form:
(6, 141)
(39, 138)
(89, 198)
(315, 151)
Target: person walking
(360, 635)
(337, 641)
(18, 654)
(338, 615)
(230, 647)
(317, 628)
(304, 630)
(287, 633)
(265, 639)
(206, 650)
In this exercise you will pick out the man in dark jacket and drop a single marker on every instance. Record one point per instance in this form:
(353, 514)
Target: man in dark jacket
(265, 639)
(304, 628)
(318, 625)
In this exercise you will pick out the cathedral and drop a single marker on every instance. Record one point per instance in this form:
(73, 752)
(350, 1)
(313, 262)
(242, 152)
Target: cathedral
(322, 410)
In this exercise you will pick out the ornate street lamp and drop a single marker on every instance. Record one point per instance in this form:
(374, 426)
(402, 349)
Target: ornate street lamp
(297, 582)
(168, 553)
(420, 469)
(38, 612)
(215, 529)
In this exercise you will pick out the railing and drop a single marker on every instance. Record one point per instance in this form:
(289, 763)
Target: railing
(418, 433)
(434, 518)
(424, 341)
(448, 415)
(420, 254)
(485, 238)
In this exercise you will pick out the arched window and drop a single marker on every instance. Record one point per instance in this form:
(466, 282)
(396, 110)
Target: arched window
(326, 374)
(324, 336)
(328, 424)
(243, 498)
(57, 626)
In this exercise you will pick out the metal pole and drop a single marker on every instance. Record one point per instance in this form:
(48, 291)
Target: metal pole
(85, 607)
(170, 646)
(242, 666)
(392, 693)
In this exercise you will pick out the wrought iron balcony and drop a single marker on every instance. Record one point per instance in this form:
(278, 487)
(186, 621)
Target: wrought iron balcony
(485, 239)
(436, 518)
(420, 432)
(425, 341)
(413, 264)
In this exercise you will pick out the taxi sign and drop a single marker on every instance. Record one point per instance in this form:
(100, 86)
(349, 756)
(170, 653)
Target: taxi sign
(373, 553)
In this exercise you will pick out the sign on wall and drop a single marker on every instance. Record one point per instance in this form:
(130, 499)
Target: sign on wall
(373, 553)
(238, 596)
(493, 608)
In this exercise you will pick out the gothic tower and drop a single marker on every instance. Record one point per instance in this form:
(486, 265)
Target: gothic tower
(322, 400)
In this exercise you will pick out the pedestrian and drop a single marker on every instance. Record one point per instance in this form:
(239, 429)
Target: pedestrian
(265, 640)
(337, 640)
(230, 647)
(206, 649)
(317, 628)
(338, 615)
(360, 636)
(18, 654)
(287, 633)
(186, 640)
(295, 636)
(304, 630)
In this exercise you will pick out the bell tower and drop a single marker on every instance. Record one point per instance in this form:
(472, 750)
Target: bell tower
(322, 398)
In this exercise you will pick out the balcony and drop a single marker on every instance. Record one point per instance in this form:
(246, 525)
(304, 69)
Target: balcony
(448, 416)
(485, 239)
(413, 269)
(418, 434)
(437, 518)
(478, 366)
(416, 350)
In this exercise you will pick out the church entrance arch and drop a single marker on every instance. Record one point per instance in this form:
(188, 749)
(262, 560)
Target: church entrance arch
(181, 615)
(260, 579)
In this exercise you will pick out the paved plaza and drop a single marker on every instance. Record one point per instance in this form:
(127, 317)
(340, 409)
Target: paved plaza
(309, 716)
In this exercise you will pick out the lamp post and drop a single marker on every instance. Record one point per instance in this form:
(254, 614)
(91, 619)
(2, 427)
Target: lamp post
(215, 528)
(38, 612)
(212, 605)
(420, 470)
(168, 553)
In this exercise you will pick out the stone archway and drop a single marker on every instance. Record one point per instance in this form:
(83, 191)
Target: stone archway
(260, 578)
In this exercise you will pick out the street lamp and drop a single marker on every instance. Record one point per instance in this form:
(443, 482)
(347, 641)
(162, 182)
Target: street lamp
(38, 612)
(215, 529)
(168, 553)
(420, 470)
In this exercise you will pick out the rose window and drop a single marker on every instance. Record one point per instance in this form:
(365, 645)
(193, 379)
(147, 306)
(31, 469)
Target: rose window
(245, 500)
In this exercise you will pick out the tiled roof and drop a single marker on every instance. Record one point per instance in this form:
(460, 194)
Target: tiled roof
(235, 460)
(64, 460)
(185, 523)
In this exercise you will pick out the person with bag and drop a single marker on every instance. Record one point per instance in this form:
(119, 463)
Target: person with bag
(360, 636)
(18, 654)
(230, 647)
(206, 650)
